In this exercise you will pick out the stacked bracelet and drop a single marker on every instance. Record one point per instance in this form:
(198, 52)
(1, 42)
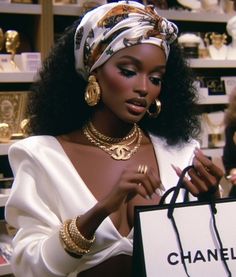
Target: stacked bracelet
(73, 241)
(77, 237)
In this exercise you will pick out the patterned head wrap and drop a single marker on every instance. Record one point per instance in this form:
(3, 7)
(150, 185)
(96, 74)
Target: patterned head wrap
(114, 26)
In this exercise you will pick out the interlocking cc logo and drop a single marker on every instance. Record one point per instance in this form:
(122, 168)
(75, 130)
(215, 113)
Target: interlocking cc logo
(120, 152)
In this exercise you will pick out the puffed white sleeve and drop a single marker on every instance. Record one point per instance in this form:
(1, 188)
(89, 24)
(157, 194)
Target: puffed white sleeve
(32, 209)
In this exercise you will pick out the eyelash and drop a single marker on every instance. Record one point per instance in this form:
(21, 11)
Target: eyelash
(156, 81)
(129, 74)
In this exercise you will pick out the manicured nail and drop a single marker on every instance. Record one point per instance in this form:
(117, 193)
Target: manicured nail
(159, 192)
(198, 151)
(176, 169)
(162, 187)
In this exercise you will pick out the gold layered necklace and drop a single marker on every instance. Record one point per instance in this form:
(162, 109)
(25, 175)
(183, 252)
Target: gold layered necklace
(118, 148)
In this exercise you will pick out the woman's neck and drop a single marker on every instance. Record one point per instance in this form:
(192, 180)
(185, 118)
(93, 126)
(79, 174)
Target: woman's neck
(111, 126)
(115, 130)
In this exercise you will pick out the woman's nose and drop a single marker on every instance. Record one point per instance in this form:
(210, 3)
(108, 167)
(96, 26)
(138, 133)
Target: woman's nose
(142, 85)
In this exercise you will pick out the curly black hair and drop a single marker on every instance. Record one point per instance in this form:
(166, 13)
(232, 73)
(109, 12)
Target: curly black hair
(57, 104)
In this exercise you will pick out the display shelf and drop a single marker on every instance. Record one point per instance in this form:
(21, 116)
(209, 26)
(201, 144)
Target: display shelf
(19, 77)
(72, 9)
(69, 10)
(5, 269)
(20, 8)
(37, 19)
(203, 16)
(205, 99)
(209, 63)
(3, 200)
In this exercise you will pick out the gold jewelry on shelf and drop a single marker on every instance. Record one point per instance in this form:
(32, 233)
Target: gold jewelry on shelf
(157, 105)
(93, 92)
(142, 168)
(117, 148)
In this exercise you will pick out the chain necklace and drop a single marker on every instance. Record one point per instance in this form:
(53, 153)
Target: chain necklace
(104, 138)
(117, 148)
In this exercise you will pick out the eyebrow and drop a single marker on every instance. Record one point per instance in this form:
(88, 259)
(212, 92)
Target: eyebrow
(139, 63)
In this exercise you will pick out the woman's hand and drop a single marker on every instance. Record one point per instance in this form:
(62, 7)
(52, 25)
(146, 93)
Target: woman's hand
(232, 176)
(204, 177)
(140, 180)
(136, 180)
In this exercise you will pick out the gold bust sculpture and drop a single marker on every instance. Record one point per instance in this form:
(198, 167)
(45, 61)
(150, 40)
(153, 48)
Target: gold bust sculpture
(12, 43)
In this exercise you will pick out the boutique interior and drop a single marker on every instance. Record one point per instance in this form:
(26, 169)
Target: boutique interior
(29, 28)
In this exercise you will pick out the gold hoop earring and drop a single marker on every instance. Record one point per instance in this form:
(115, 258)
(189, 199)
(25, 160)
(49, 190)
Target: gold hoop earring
(158, 109)
(93, 92)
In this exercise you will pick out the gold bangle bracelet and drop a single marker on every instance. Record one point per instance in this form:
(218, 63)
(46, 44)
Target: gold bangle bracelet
(69, 244)
(77, 237)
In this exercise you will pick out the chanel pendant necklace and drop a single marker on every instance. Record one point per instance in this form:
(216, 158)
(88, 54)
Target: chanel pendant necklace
(117, 148)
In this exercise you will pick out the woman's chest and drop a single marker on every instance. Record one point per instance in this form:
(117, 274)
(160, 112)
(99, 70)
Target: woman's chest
(100, 172)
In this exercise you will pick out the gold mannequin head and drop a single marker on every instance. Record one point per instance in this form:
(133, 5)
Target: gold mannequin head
(12, 41)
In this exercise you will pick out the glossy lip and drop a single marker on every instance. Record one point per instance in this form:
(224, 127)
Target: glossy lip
(136, 105)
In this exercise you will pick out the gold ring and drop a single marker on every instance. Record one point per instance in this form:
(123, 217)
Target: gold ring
(142, 169)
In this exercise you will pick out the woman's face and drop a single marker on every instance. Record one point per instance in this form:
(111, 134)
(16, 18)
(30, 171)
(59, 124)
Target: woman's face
(130, 81)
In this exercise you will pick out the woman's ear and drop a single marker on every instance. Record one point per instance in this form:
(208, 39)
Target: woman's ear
(95, 73)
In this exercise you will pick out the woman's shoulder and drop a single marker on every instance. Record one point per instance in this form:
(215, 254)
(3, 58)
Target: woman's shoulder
(33, 143)
(34, 149)
(162, 142)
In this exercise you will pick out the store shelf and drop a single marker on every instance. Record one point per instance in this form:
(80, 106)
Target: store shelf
(3, 200)
(202, 16)
(19, 77)
(5, 269)
(69, 10)
(206, 99)
(20, 8)
(209, 63)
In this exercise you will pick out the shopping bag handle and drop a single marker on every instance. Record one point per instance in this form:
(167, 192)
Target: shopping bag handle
(179, 185)
(209, 197)
(211, 201)
(175, 190)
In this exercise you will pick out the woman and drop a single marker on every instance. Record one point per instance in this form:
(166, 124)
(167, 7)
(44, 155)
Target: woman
(102, 144)
(229, 151)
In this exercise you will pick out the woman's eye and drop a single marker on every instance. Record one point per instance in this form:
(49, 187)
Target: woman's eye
(156, 81)
(127, 72)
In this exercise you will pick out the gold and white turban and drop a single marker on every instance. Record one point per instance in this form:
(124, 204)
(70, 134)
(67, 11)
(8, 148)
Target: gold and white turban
(114, 26)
